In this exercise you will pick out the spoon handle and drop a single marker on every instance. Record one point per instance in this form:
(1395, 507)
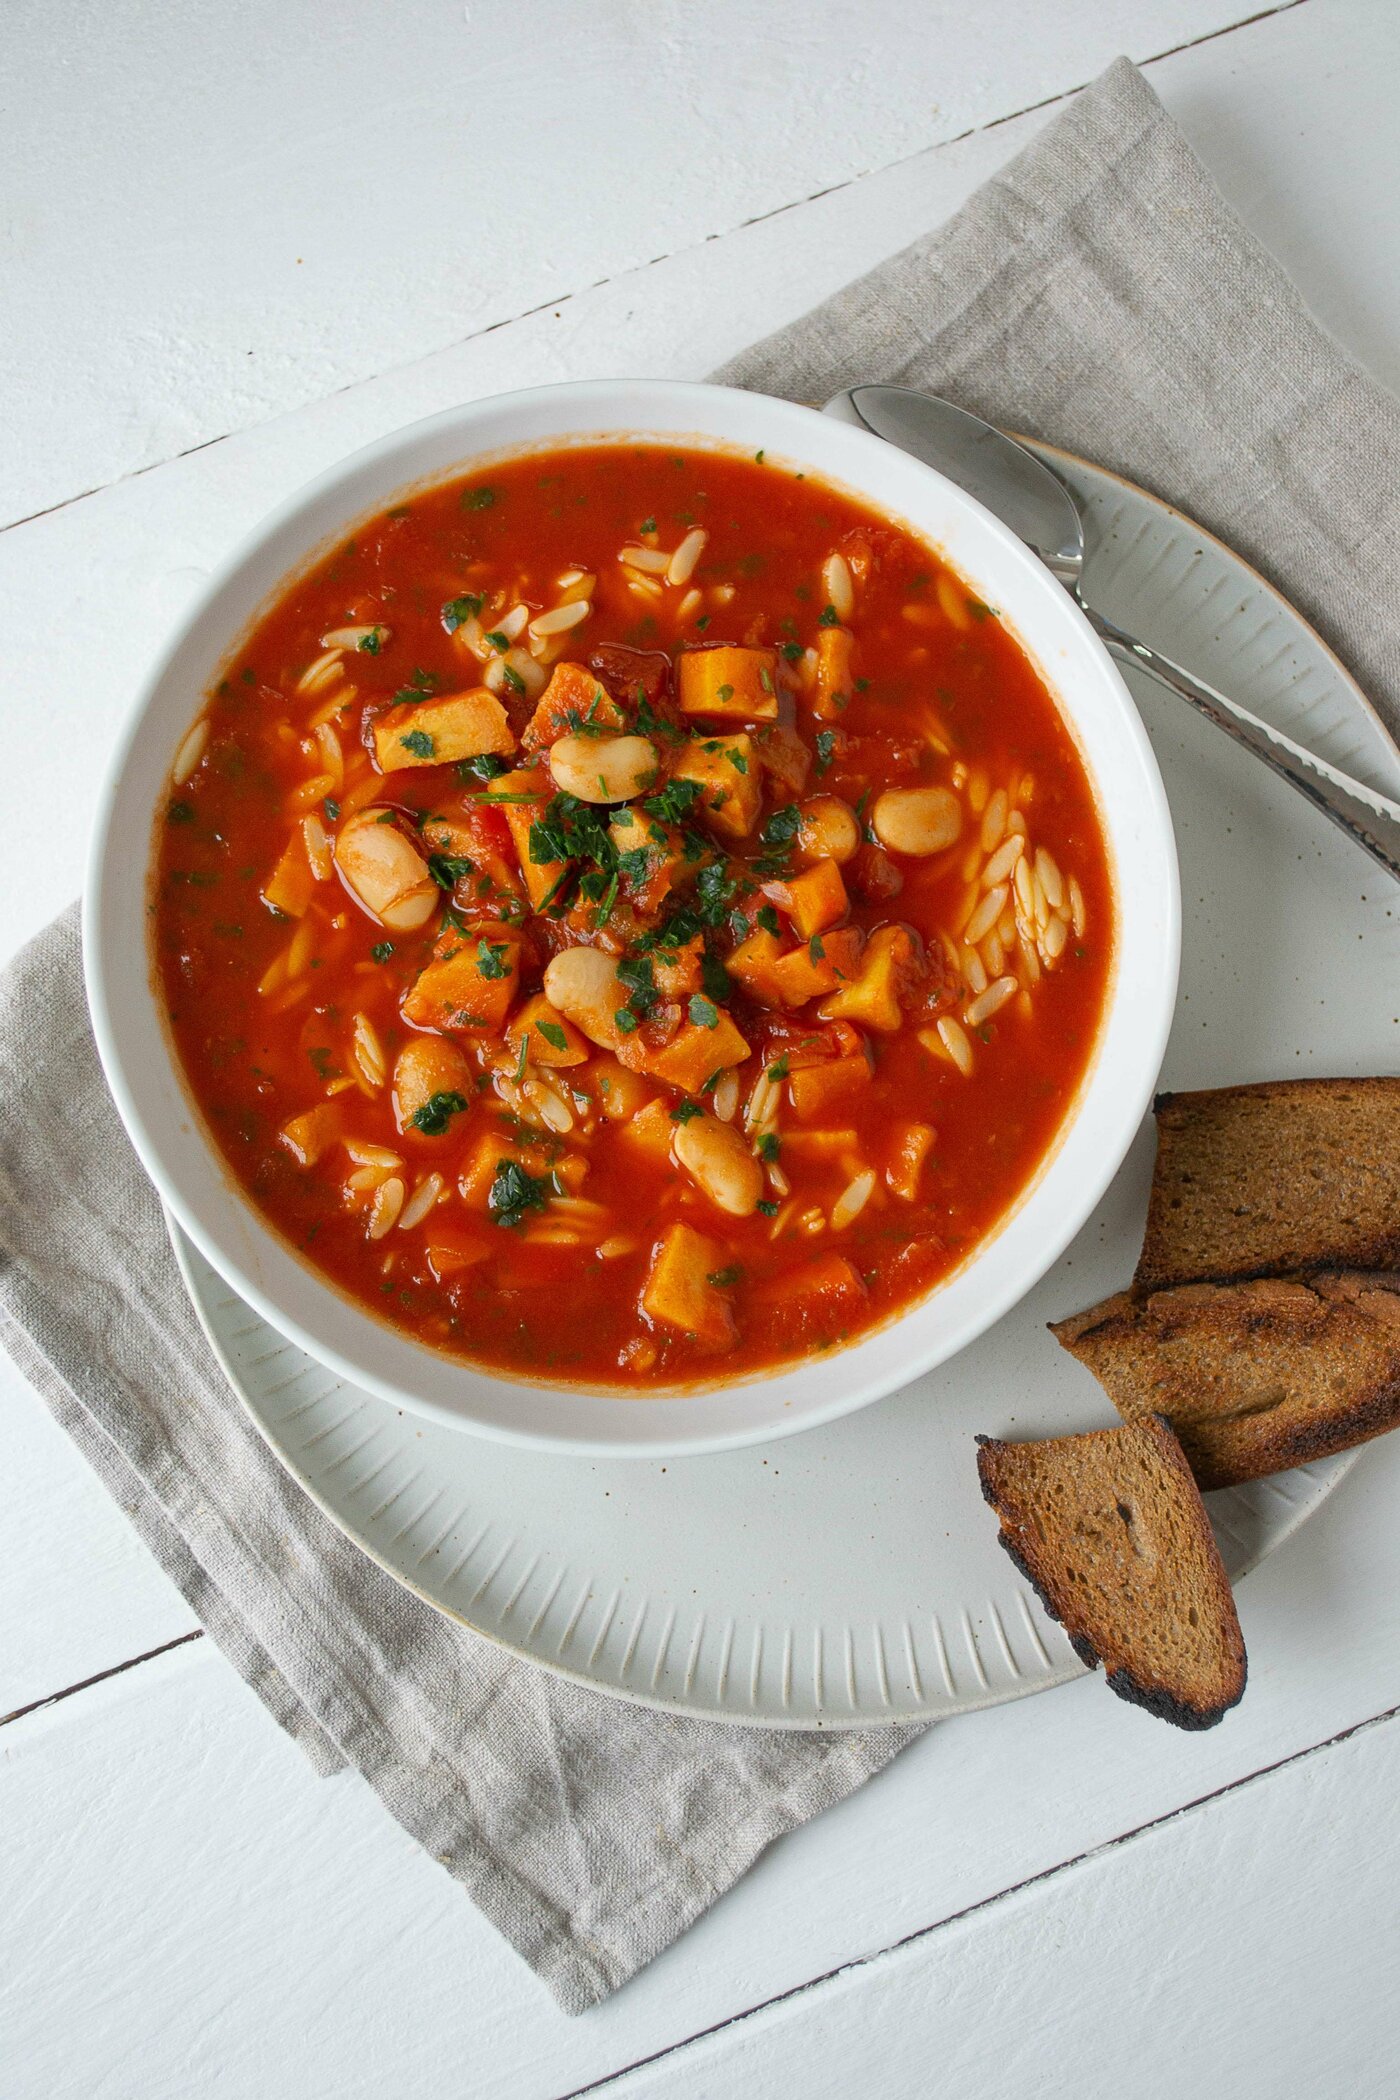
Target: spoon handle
(1369, 818)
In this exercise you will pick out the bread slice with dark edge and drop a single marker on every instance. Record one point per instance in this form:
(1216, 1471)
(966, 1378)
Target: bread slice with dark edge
(1111, 1529)
(1264, 1180)
(1253, 1377)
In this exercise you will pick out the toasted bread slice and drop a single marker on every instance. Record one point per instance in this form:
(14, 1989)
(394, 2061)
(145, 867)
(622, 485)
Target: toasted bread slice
(1253, 1377)
(1264, 1180)
(1111, 1529)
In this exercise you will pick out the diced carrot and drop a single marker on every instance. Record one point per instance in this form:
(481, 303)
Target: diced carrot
(813, 900)
(911, 1145)
(802, 974)
(834, 676)
(552, 1039)
(678, 1290)
(450, 1250)
(820, 1091)
(308, 1135)
(439, 732)
(814, 1303)
(572, 697)
(470, 984)
(479, 1169)
(650, 1129)
(738, 684)
(725, 769)
(695, 1052)
(753, 963)
(539, 877)
(291, 885)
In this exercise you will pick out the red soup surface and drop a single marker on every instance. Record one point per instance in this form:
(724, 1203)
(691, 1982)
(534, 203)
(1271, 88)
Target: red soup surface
(633, 919)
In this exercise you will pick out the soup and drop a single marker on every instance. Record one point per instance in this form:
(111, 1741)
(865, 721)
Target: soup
(633, 918)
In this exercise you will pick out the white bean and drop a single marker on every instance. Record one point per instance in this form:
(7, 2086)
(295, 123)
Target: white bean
(917, 820)
(827, 829)
(603, 769)
(718, 1160)
(583, 985)
(385, 873)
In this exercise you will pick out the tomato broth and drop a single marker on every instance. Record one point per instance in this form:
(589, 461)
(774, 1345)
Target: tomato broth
(632, 918)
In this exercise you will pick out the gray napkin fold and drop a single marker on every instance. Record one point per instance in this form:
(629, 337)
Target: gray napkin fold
(1100, 293)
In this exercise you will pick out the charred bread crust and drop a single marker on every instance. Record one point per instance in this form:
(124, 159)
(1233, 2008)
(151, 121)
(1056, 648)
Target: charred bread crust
(1355, 1419)
(1154, 1699)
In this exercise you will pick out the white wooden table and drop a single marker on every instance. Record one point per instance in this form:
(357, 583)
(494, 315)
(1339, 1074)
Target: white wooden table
(237, 243)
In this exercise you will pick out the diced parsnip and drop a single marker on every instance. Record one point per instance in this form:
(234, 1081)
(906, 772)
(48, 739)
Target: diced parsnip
(550, 1038)
(470, 984)
(739, 685)
(539, 877)
(649, 883)
(450, 1250)
(308, 1135)
(912, 1143)
(384, 871)
(572, 697)
(583, 984)
(649, 1131)
(726, 771)
(753, 963)
(813, 900)
(432, 1079)
(818, 1092)
(694, 1052)
(834, 685)
(291, 885)
(678, 1291)
(479, 1169)
(871, 998)
(440, 732)
(717, 1158)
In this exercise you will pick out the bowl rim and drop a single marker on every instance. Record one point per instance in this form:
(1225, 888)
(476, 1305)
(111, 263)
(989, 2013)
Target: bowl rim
(618, 409)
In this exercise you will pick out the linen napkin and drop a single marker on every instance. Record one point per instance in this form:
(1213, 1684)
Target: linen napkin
(1098, 292)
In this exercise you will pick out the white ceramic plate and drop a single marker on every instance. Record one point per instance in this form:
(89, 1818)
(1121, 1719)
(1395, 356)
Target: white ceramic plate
(183, 1161)
(852, 1575)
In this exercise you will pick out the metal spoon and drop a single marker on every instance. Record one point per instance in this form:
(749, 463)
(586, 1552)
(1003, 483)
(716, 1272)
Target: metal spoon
(1022, 491)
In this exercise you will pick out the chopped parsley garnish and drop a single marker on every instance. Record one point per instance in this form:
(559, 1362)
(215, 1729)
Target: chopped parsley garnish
(703, 1012)
(435, 1115)
(793, 652)
(421, 686)
(738, 761)
(419, 743)
(721, 1279)
(499, 642)
(458, 611)
(179, 813)
(815, 948)
(448, 869)
(647, 525)
(478, 499)
(768, 919)
(650, 723)
(686, 1111)
(332, 809)
(825, 741)
(485, 766)
(626, 1020)
(726, 692)
(371, 642)
(637, 973)
(513, 679)
(514, 1192)
(778, 1069)
(776, 838)
(381, 951)
(714, 977)
(766, 1209)
(768, 1145)
(827, 617)
(553, 1034)
(672, 804)
(492, 958)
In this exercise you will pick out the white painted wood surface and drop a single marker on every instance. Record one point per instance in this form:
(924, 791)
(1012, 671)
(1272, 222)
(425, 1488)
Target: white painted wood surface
(185, 1904)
